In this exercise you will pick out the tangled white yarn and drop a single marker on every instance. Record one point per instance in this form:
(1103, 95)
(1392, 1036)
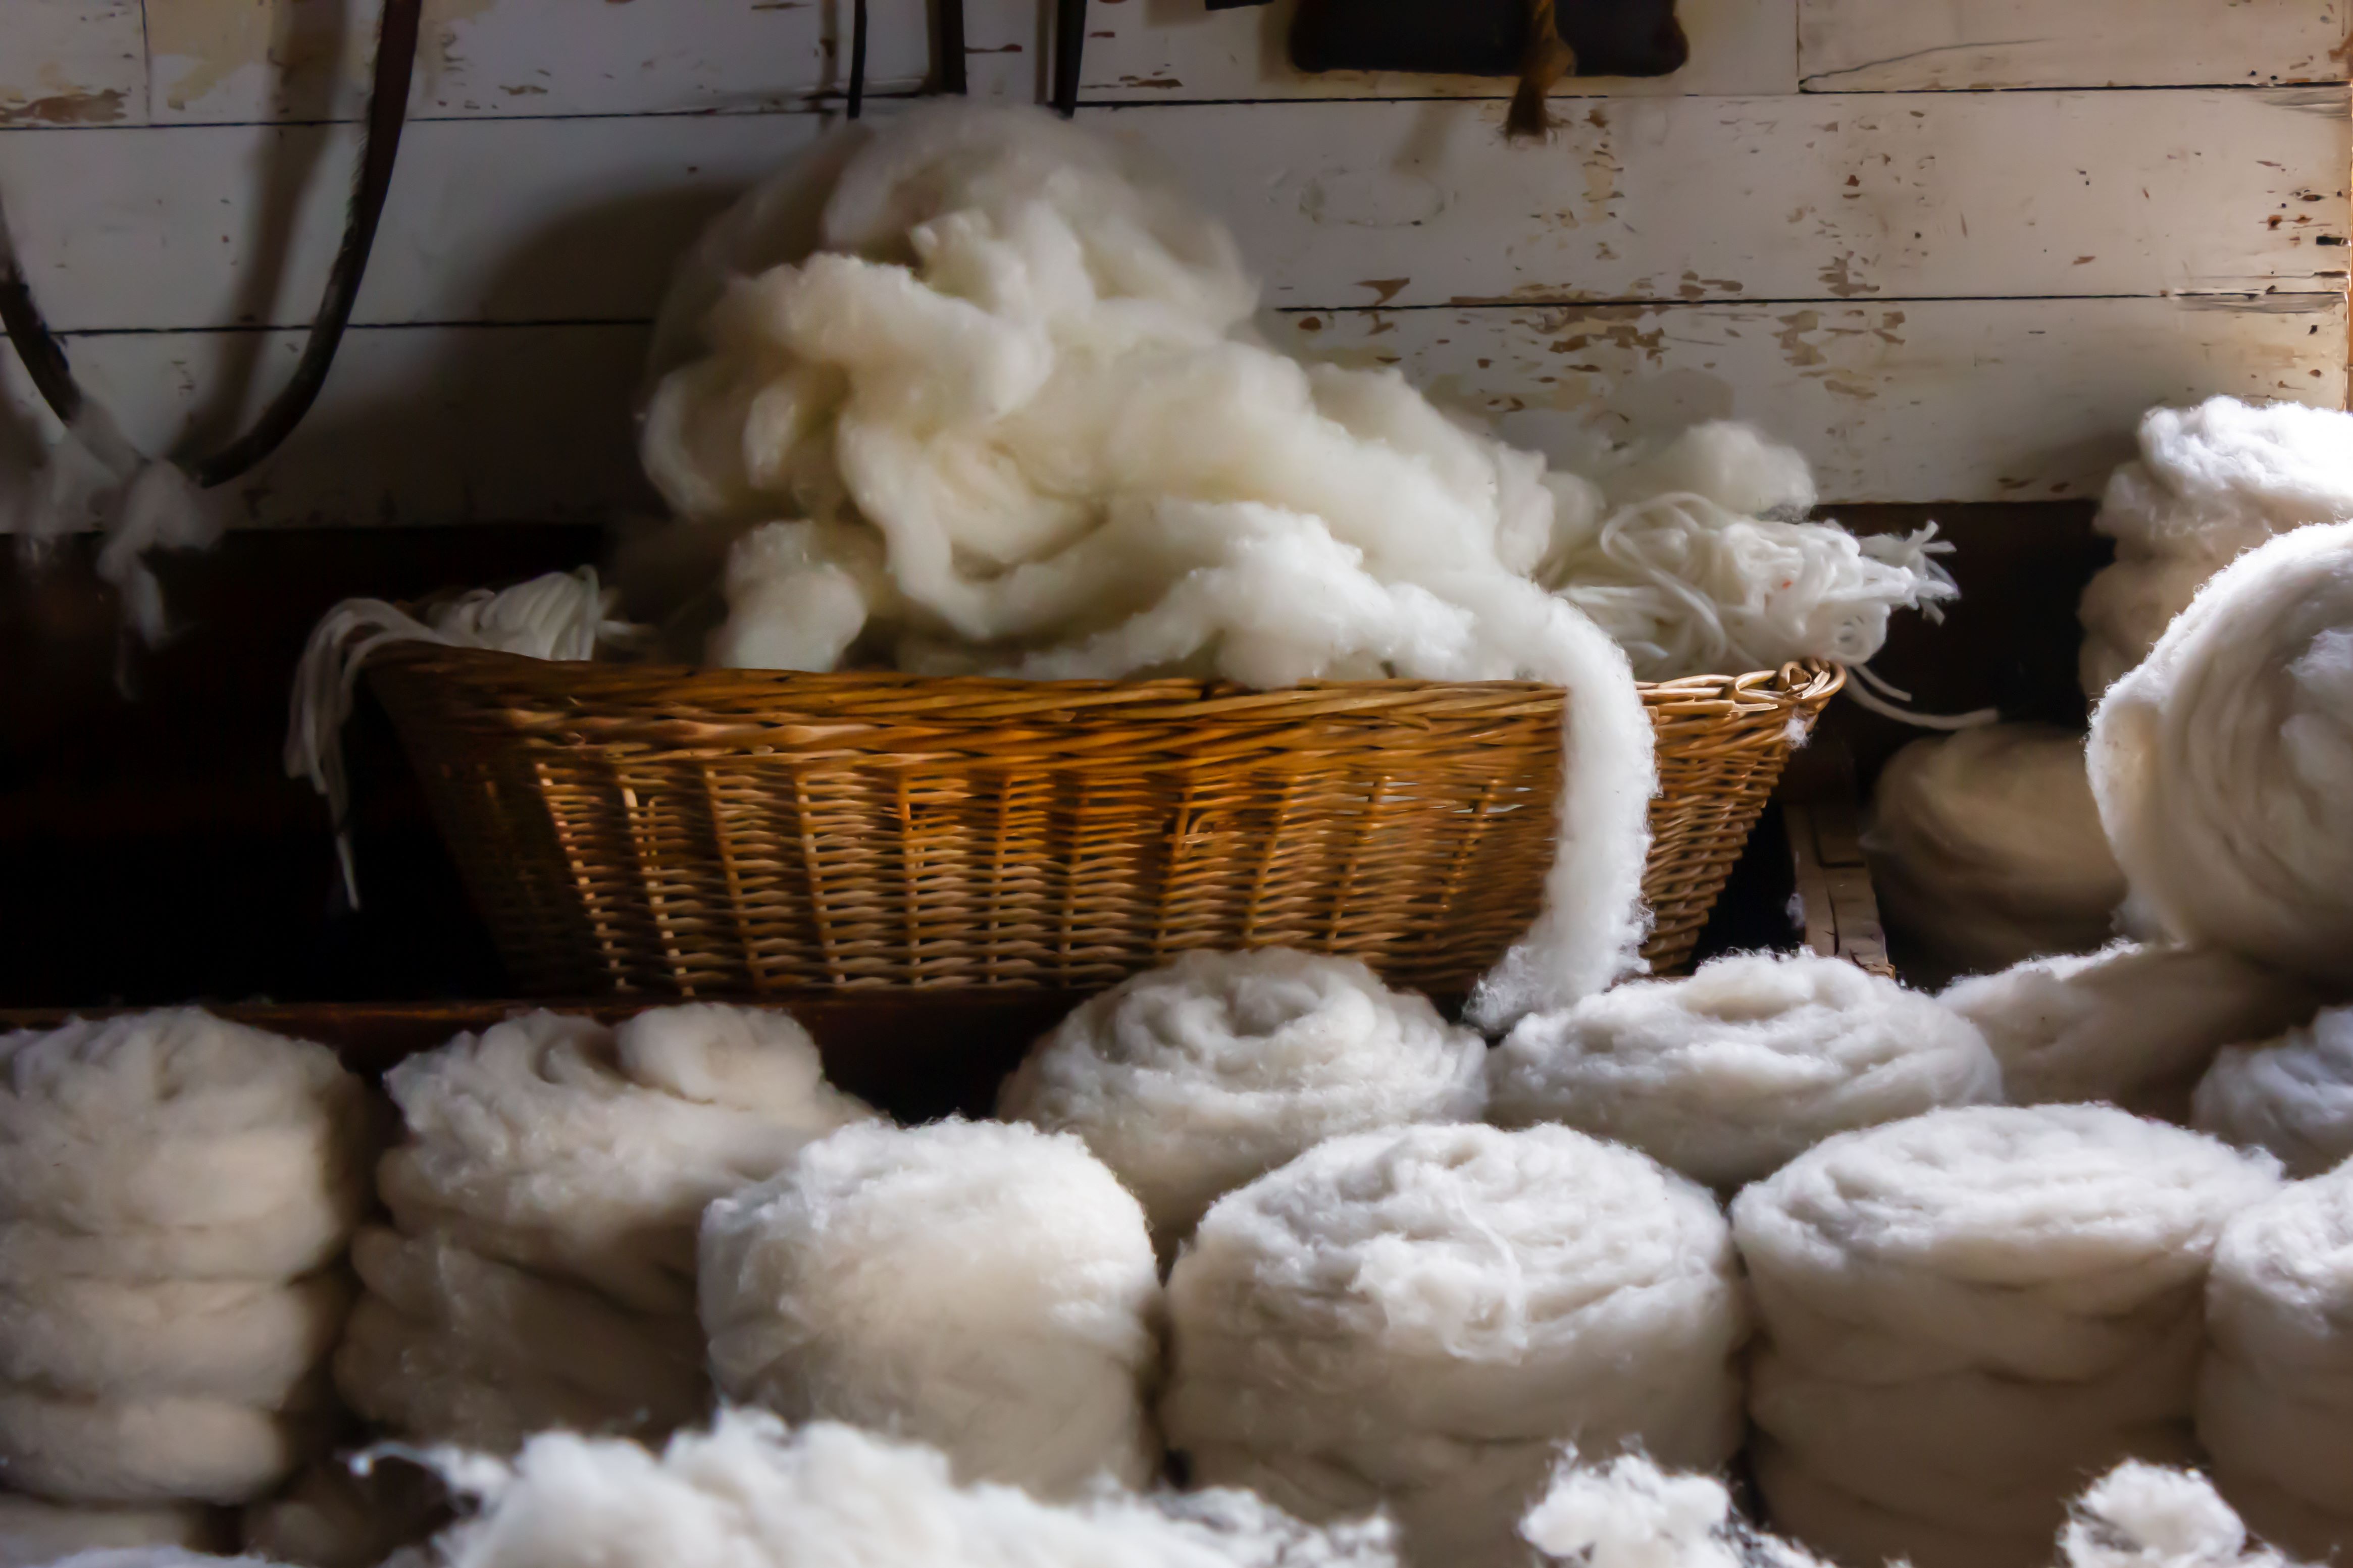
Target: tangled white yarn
(984, 1287)
(1986, 849)
(2224, 763)
(1728, 1074)
(1421, 1317)
(2210, 482)
(2292, 1095)
(1192, 1079)
(2137, 1025)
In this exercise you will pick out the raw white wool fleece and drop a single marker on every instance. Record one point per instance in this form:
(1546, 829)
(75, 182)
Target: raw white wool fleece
(748, 1494)
(251, 1341)
(2046, 1242)
(173, 1122)
(1986, 848)
(555, 1143)
(2223, 764)
(2300, 1440)
(167, 1449)
(509, 1333)
(1728, 1074)
(2210, 481)
(1628, 1513)
(34, 1532)
(983, 1287)
(1421, 1317)
(2146, 1516)
(1196, 1078)
(2280, 1298)
(2135, 1025)
(2292, 1095)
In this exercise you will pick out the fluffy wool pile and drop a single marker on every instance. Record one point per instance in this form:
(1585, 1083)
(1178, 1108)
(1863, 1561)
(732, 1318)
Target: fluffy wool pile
(2145, 1516)
(2135, 1024)
(2210, 482)
(2292, 1095)
(545, 1201)
(1729, 1073)
(1968, 1315)
(174, 1193)
(748, 1493)
(1192, 1079)
(982, 1286)
(1628, 1513)
(2276, 1394)
(1986, 849)
(2224, 763)
(1419, 1318)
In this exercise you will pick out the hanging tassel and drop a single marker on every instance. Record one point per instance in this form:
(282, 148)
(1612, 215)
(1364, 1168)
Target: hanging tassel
(1547, 59)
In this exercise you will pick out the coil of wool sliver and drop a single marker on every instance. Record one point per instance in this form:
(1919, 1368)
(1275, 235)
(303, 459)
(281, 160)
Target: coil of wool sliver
(2292, 1095)
(34, 1532)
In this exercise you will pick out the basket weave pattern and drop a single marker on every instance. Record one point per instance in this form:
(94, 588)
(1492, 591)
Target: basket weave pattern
(731, 832)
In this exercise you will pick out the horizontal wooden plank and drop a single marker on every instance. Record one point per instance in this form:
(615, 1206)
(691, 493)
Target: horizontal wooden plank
(71, 62)
(1849, 46)
(1925, 400)
(417, 425)
(1336, 204)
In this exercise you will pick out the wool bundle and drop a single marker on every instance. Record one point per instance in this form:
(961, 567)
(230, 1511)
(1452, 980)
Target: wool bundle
(1968, 1315)
(1421, 1317)
(545, 1201)
(983, 1287)
(1192, 1079)
(2145, 1516)
(2275, 1392)
(2292, 1095)
(34, 1532)
(1986, 849)
(174, 1191)
(2210, 482)
(1628, 1513)
(2224, 763)
(749, 1493)
(2137, 1025)
(1728, 1074)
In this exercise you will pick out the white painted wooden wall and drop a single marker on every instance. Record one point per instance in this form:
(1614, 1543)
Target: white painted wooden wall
(1950, 247)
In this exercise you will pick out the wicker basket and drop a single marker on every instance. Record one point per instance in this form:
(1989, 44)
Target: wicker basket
(729, 832)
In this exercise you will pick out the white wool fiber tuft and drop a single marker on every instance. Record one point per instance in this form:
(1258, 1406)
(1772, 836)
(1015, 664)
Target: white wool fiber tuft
(1628, 1513)
(983, 1287)
(1193, 1079)
(2146, 1516)
(750, 1494)
(2276, 1392)
(2135, 1025)
(1986, 849)
(34, 1532)
(1968, 1315)
(2292, 1095)
(170, 1185)
(2223, 764)
(1728, 1074)
(1421, 1317)
(2210, 482)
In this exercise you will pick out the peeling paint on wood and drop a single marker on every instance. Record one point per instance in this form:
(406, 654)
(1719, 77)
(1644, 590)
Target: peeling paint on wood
(71, 62)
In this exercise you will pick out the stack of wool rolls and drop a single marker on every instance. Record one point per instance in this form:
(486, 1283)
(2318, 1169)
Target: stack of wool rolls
(2292, 1095)
(983, 1287)
(1968, 1315)
(176, 1192)
(1192, 1079)
(2276, 1394)
(545, 1201)
(1419, 1318)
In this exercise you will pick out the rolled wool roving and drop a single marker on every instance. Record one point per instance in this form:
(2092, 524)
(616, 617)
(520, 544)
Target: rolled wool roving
(2137, 1025)
(2292, 1095)
(1420, 1317)
(34, 1532)
(1728, 1074)
(1192, 1079)
(171, 1185)
(983, 1287)
(1986, 848)
(2224, 763)
(1968, 1314)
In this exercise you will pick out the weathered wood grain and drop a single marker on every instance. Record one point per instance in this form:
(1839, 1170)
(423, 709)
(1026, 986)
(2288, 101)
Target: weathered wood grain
(1849, 46)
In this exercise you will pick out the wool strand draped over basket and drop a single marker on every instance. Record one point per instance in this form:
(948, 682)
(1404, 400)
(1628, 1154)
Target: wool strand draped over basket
(729, 832)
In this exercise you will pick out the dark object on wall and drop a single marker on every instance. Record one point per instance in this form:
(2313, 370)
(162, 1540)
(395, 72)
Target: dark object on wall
(1069, 44)
(1234, 5)
(1537, 40)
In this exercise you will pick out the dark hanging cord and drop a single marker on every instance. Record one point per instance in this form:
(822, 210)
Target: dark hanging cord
(952, 72)
(45, 360)
(857, 57)
(1069, 44)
